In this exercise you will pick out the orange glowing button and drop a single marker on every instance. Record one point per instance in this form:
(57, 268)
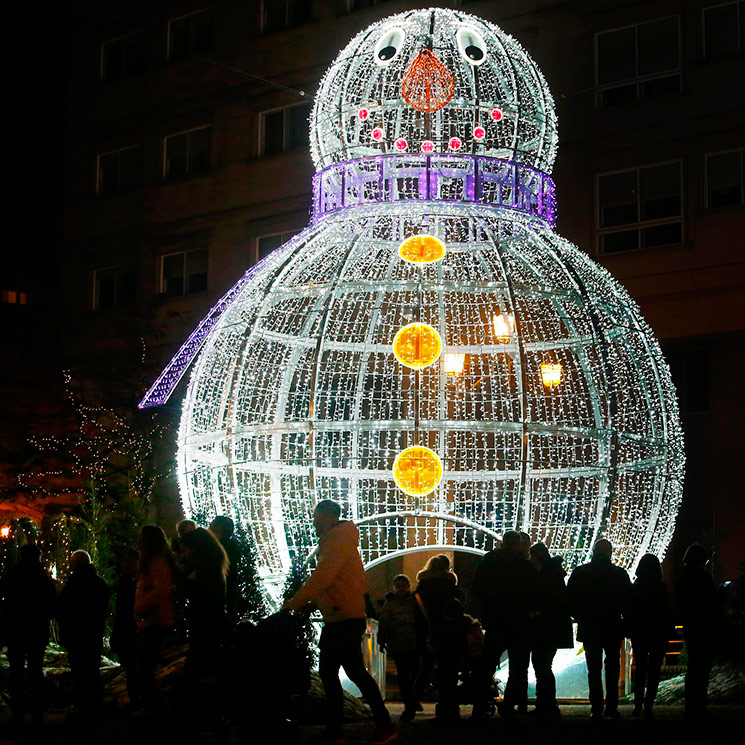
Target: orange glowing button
(417, 345)
(417, 471)
(422, 249)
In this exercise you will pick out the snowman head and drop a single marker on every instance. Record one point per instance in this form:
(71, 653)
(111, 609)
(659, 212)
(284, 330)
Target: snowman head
(434, 81)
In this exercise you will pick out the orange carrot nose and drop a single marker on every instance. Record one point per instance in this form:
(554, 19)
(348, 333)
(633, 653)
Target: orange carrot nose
(427, 85)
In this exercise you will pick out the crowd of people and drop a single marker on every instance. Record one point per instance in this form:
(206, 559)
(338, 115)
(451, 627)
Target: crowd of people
(519, 602)
(197, 570)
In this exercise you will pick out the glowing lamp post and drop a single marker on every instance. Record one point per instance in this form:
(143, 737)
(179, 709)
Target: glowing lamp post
(503, 325)
(551, 374)
(453, 363)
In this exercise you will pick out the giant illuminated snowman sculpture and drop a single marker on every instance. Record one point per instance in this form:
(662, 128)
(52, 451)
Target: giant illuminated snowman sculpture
(428, 351)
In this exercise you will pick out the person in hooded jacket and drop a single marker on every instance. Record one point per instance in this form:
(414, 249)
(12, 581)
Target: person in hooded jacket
(436, 585)
(82, 607)
(338, 585)
(397, 633)
(505, 595)
(650, 626)
(598, 594)
(28, 598)
(552, 627)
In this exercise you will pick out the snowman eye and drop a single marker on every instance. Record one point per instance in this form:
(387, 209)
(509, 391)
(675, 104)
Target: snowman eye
(388, 46)
(471, 46)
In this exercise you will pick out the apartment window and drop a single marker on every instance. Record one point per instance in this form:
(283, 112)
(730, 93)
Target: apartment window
(188, 153)
(723, 30)
(117, 171)
(725, 178)
(279, 14)
(114, 287)
(184, 273)
(638, 62)
(640, 208)
(13, 297)
(190, 35)
(689, 369)
(267, 243)
(284, 129)
(123, 57)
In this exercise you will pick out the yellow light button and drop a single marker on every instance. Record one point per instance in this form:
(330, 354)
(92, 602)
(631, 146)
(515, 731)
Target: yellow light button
(417, 345)
(422, 249)
(417, 471)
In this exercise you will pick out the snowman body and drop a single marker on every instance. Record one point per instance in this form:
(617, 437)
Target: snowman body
(547, 406)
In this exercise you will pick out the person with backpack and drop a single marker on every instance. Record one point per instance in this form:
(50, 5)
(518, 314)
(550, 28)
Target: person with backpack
(338, 585)
(397, 633)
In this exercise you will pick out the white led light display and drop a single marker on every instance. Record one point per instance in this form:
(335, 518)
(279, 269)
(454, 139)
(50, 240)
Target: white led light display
(491, 70)
(297, 395)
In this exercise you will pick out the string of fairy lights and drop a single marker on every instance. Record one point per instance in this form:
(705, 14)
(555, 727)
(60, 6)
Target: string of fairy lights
(428, 352)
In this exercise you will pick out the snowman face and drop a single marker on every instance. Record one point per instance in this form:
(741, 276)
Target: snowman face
(434, 81)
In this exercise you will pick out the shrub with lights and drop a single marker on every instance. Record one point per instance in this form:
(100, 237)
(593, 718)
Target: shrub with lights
(428, 351)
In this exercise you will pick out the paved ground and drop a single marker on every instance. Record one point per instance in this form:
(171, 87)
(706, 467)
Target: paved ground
(727, 727)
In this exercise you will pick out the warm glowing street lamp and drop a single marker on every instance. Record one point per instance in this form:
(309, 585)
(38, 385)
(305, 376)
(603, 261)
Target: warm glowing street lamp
(503, 325)
(453, 363)
(551, 374)
(417, 345)
(417, 470)
(5, 531)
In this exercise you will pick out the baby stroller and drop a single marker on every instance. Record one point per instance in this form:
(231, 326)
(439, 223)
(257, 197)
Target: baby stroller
(264, 665)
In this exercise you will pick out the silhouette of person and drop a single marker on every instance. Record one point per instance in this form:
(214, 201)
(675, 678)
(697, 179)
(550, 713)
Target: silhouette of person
(505, 593)
(205, 567)
(397, 633)
(222, 527)
(28, 599)
(598, 594)
(153, 609)
(338, 587)
(82, 607)
(552, 627)
(650, 625)
(436, 585)
(123, 640)
(700, 610)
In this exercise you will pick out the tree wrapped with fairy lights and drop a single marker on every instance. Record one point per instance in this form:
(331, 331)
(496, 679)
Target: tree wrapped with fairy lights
(429, 351)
